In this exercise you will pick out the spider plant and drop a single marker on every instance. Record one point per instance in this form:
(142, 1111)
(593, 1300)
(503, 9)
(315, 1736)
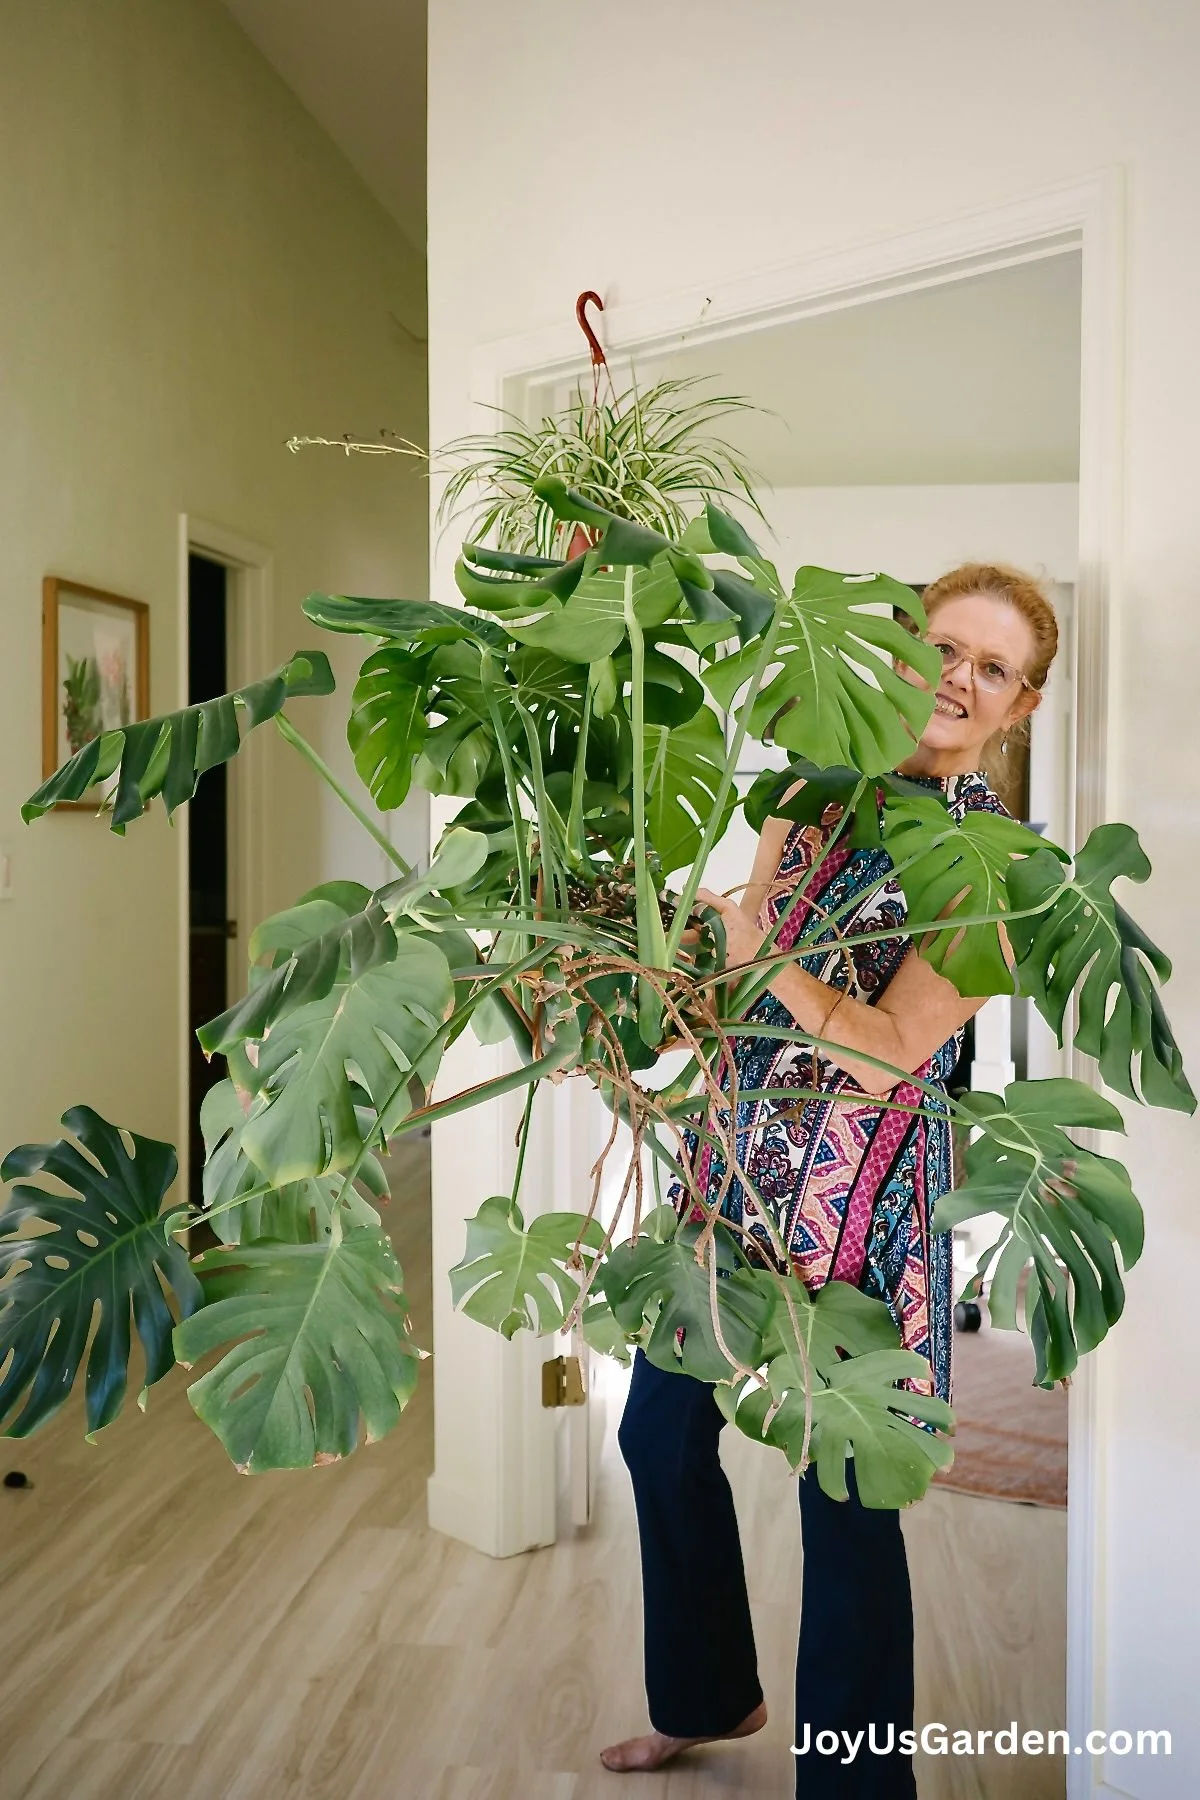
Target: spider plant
(648, 457)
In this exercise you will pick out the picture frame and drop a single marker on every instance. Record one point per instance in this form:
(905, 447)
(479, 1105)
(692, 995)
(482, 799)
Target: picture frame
(95, 671)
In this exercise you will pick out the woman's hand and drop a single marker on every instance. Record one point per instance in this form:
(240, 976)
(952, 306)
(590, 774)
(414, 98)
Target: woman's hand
(743, 939)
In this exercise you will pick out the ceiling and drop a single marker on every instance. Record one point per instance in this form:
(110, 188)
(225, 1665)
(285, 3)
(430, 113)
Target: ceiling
(974, 381)
(359, 68)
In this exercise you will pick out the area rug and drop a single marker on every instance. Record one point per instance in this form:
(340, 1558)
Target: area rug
(1011, 1437)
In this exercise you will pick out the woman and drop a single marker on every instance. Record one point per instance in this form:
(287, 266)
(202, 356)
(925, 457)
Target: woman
(851, 1188)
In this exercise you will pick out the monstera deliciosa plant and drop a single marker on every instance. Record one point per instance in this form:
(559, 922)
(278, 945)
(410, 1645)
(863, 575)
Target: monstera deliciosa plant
(589, 710)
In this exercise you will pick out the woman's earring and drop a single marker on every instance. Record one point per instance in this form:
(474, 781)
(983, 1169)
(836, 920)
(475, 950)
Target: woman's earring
(1004, 745)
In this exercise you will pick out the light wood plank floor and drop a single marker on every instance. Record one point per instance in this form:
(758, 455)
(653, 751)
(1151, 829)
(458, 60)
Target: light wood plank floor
(173, 1628)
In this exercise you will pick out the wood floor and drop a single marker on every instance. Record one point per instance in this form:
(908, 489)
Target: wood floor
(172, 1628)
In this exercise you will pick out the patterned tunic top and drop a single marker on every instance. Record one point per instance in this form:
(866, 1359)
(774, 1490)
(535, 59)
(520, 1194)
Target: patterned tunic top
(851, 1186)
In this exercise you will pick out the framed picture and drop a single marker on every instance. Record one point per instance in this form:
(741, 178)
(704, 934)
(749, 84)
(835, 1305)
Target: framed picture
(95, 671)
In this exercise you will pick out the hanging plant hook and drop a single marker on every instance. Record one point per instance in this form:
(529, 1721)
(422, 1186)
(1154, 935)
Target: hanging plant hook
(599, 360)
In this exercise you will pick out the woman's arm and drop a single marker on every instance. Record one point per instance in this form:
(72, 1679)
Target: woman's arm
(914, 1016)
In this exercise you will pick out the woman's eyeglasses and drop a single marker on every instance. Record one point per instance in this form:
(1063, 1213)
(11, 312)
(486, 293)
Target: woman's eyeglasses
(988, 672)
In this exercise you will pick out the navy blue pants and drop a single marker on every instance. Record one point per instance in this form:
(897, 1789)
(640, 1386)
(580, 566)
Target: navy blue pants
(854, 1665)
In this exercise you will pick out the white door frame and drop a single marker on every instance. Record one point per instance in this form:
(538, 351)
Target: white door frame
(248, 614)
(1087, 215)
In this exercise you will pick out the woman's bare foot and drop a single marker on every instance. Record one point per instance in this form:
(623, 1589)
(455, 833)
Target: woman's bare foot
(656, 1748)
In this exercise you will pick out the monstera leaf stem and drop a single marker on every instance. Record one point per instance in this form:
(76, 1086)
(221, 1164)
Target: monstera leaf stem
(290, 735)
(576, 831)
(761, 664)
(653, 947)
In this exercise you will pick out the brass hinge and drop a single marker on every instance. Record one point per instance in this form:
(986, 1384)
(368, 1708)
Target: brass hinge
(562, 1382)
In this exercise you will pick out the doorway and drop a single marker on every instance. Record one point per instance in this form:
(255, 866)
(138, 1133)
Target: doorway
(210, 926)
(224, 601)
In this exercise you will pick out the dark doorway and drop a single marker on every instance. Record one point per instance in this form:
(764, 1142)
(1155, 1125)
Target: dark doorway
(209, 924)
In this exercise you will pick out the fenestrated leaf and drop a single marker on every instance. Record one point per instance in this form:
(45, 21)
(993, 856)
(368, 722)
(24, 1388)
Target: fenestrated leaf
(299, 1213)
(108, 1244)
(1066, 1209)
(327, 946)
(664, 1283)
(1086, 943)
(168, 755)
(592, 622)
(387, 725)
(855, 1403)
(602, 1332)
(404, 621)
(374, 1028)
(861, 1411)
(818, 702)
(516, 1277)
(684, 765)
(950, 868)
(671, 693)
(826, 787)
(324, 1349)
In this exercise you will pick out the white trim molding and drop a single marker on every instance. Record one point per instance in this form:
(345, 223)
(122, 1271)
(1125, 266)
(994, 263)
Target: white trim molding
(1087, 215)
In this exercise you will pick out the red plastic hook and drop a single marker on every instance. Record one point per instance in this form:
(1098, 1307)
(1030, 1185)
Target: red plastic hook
(599, 361)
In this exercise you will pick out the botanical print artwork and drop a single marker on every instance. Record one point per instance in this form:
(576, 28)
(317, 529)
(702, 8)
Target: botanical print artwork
(97, 660)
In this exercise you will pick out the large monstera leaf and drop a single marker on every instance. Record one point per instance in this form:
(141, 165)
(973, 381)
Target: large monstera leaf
(958, 869)
(661, 1286)
(819, 703)
(375, 1031)
(1086, 943)
(415, 623)
(591, 623)
(109, 1246)
(683, 773)
(300, 1213)
(856, 1404)
(322, 1348)
(1068, 1211)
(516, 1277)
(388, 726)
(321, 943)
(169, 754)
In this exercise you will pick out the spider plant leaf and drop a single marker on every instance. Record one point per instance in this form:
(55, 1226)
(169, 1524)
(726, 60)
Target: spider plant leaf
(950, 868)
(1086, 943)
(819, 702)
(109, 1247)
(167, 755)
(318, 1348)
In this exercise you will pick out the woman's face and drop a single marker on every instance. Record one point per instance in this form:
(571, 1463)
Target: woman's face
(967, 712)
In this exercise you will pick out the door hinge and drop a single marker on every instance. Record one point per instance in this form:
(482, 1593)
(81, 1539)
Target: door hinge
(562, 1382)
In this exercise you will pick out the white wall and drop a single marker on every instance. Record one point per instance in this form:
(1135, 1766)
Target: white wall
(721, 144)
(191, 274)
